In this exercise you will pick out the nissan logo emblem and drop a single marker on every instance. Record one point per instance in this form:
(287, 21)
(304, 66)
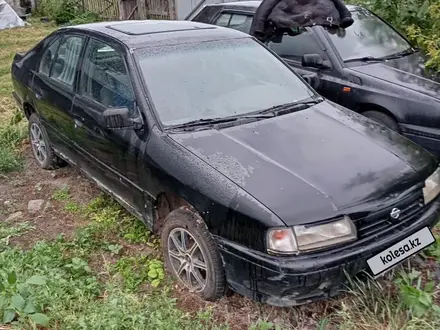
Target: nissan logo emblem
(395, 213)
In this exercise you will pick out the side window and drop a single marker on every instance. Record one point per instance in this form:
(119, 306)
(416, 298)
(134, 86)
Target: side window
(241, 22)
(235, 21)
(66, 62)
(223, 20)
(105, 78)
(48, 57)
(293, 47)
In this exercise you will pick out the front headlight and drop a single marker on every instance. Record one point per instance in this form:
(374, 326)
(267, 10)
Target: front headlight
(310, 237)
(432, 186)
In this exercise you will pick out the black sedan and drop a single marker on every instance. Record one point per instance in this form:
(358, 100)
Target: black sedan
(369, 68)
(251, 178)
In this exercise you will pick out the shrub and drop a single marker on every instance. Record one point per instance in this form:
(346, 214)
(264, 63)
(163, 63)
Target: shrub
(66, 12)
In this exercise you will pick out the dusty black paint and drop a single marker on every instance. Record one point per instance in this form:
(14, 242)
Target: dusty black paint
(304, 167)
(402, 88)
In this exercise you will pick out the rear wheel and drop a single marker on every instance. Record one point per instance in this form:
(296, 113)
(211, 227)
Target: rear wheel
(41, 146)
(383, 119)
(191, 254)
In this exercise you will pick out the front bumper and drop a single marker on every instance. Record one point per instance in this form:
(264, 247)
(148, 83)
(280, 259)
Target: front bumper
(290, 281)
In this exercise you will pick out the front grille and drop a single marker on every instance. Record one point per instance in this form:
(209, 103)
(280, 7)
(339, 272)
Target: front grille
(379, 221)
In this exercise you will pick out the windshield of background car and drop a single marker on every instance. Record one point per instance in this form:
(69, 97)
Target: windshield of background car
(216, 79)
(368, 36)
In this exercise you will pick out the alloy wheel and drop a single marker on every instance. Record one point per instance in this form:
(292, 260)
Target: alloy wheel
(187, 259)
(39, 147)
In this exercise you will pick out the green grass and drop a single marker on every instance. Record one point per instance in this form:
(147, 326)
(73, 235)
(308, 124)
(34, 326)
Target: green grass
(12, 131)
(69, 293)
(10, 138)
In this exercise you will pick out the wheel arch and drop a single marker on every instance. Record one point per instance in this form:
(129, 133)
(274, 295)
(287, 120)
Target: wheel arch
(364, 107)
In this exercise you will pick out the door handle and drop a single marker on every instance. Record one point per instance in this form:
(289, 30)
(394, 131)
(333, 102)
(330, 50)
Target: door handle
(78, 123)
(38, 94)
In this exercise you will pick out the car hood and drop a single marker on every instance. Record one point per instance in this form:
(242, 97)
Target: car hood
(313, 164)
(408, 71)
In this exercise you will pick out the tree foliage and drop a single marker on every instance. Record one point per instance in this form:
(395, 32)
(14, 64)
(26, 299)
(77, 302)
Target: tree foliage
(418, 19)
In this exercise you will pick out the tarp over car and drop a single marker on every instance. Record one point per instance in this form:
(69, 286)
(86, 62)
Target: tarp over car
(8, 17)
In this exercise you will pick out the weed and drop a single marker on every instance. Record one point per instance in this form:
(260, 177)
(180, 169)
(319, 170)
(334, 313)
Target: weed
(73, 207)
(139, 270)
(114, 248)
(134, 231)
(7, 232)
(10, 137)
(433, 250)
(264, 325)
(61, 194)
(15, 299)
(417, 297)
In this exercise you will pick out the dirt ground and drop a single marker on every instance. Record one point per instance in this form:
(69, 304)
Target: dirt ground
(33, 183)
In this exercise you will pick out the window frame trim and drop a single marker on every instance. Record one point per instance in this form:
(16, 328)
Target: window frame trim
(119, 48)
(56, 37)
(70, 88)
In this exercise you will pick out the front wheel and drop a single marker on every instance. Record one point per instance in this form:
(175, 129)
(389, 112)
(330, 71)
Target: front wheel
(191, 254)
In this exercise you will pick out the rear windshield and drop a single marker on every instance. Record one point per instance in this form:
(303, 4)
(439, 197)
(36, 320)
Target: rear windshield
(216, 79)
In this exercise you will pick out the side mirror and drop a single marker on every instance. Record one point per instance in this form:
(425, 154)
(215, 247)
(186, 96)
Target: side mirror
(314, 61)
(119, 118)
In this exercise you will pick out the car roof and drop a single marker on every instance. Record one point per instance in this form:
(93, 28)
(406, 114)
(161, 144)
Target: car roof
(144, 33)
(253, 5)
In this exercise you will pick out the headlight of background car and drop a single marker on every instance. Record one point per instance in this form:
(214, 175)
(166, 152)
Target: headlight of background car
(311, 237)
(432, 186)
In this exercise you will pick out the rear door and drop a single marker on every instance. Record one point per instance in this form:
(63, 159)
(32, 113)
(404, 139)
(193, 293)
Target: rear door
(53, 88)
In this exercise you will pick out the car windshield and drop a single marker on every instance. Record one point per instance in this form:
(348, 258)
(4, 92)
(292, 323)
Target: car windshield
(216, 79)
(369, 36)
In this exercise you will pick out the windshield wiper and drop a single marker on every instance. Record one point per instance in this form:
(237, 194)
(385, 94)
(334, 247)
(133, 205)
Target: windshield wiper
(293, 106)
(214, 121)
(404, 53)
(266, 113)
(365, 59)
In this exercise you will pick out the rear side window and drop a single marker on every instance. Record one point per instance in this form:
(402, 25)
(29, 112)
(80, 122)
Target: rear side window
(293, 47)
(48, 57)
(241, 23)
(105, 78)
(66, 62)
(238, 22)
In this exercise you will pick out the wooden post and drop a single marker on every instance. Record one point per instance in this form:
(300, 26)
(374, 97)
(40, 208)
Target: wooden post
(142, 9)
(122, 13)
(172, 9)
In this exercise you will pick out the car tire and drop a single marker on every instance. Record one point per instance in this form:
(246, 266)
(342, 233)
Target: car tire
(41, 146)
(383, 119)
(197, 263)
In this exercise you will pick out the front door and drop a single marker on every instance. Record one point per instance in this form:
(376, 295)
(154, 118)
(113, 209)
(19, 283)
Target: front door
(53, 89)
(108, 153)
(304, 41)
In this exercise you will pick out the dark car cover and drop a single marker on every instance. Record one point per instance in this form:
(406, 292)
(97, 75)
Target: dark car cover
(277, 16)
